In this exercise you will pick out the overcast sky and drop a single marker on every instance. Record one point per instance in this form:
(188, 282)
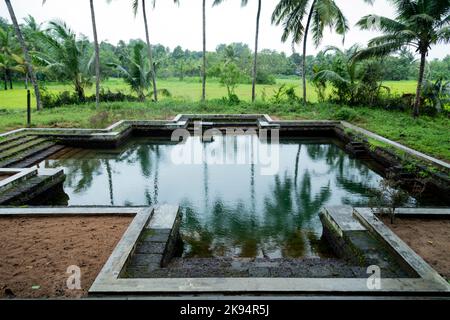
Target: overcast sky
(171, 25)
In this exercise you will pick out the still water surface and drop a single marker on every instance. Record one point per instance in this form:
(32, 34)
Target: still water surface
(228, 210)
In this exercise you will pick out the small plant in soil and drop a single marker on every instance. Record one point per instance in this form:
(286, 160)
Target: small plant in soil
(388, 197)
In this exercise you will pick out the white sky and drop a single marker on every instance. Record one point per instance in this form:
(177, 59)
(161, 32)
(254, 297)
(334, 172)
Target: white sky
(171, 25)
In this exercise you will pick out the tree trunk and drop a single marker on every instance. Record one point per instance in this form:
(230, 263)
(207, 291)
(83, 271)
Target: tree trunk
(204, 53)
(80, 91)
(255, 59)
(418, 102)
(25, 54)
(150, 55)
(10, 80)
(305, 40)
(97, 56)
(5, 80)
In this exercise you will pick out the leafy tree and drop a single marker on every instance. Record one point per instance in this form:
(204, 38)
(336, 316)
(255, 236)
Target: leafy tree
(137, 73)
(436, 93)
(230, 76)
(419, 24)
(66, 56)
(352, 84)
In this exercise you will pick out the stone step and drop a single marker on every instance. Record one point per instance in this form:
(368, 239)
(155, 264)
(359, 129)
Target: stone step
(40, 156)
(26, 152)
(29, 189)
(260, 268)
(12, 143)
(12, 152)
(11, 139)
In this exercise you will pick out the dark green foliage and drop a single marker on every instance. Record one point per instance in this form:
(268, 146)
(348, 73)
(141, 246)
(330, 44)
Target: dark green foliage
(346, 114)
(53, 100)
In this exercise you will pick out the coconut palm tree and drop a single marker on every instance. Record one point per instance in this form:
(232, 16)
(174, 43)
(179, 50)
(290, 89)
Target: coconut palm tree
(319, 14)
(65, 55)
(135, 5)
(204, 51)
(27, 58)
(419, 24)
(97, 55)
(255, 57)
(97, 52)
(138, 71)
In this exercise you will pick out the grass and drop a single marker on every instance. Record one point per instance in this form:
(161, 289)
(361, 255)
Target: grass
(426, 134)
(188, 90)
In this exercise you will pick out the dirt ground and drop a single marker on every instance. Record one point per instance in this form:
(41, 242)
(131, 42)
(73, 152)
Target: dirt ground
(430, 239)
(35, 253)
(4, 176)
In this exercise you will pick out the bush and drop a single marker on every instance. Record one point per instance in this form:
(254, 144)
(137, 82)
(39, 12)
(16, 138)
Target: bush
(346, 114)
(53, 100)
(263, 77)
(232, 100)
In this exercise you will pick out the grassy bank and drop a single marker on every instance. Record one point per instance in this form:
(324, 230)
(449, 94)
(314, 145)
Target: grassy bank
(426, 134)
(187, 90)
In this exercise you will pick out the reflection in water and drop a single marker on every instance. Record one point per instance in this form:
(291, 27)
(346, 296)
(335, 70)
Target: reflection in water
(228, 210)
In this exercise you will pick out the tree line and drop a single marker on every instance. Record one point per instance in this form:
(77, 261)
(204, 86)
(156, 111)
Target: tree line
(419, 24)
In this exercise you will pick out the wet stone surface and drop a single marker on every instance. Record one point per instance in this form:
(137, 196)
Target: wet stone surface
(257, 268)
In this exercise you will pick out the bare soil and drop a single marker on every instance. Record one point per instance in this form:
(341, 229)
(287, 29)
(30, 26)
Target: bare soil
(4, 176)
(36, 252)
(429, 238)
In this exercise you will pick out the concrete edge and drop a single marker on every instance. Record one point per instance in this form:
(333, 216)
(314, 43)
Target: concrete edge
(19, 175)
(113, 267)
(263, 285)
(67, 211)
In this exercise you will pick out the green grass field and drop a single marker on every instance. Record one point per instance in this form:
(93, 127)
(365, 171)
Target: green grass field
(189, 90)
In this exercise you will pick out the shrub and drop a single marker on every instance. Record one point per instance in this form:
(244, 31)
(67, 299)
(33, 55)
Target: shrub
(53, 100)
(346, 114)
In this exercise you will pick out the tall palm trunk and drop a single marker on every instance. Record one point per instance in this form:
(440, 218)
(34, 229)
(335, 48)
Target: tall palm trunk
(204, 53)
(79, 90)
(418, 101)
(255, 62)
(10, 80)
(97, 56)
(305, 40)
(25, 54)
(150, 55)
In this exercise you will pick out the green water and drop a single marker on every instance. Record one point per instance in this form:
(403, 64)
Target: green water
(228, 210)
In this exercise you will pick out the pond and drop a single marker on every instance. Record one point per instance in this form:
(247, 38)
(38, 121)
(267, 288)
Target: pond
(229, 210)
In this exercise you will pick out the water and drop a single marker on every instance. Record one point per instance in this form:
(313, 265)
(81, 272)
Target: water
(228, 210)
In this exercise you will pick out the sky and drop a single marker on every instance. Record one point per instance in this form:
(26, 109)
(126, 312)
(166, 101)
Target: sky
(172, 25)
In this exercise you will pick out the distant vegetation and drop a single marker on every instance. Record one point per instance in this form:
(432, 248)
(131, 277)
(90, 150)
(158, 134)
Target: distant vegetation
(54, 53)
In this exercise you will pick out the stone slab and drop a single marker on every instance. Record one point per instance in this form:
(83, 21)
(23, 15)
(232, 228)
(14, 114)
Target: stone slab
(163, 217)
(151, 248)
(342, 217)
